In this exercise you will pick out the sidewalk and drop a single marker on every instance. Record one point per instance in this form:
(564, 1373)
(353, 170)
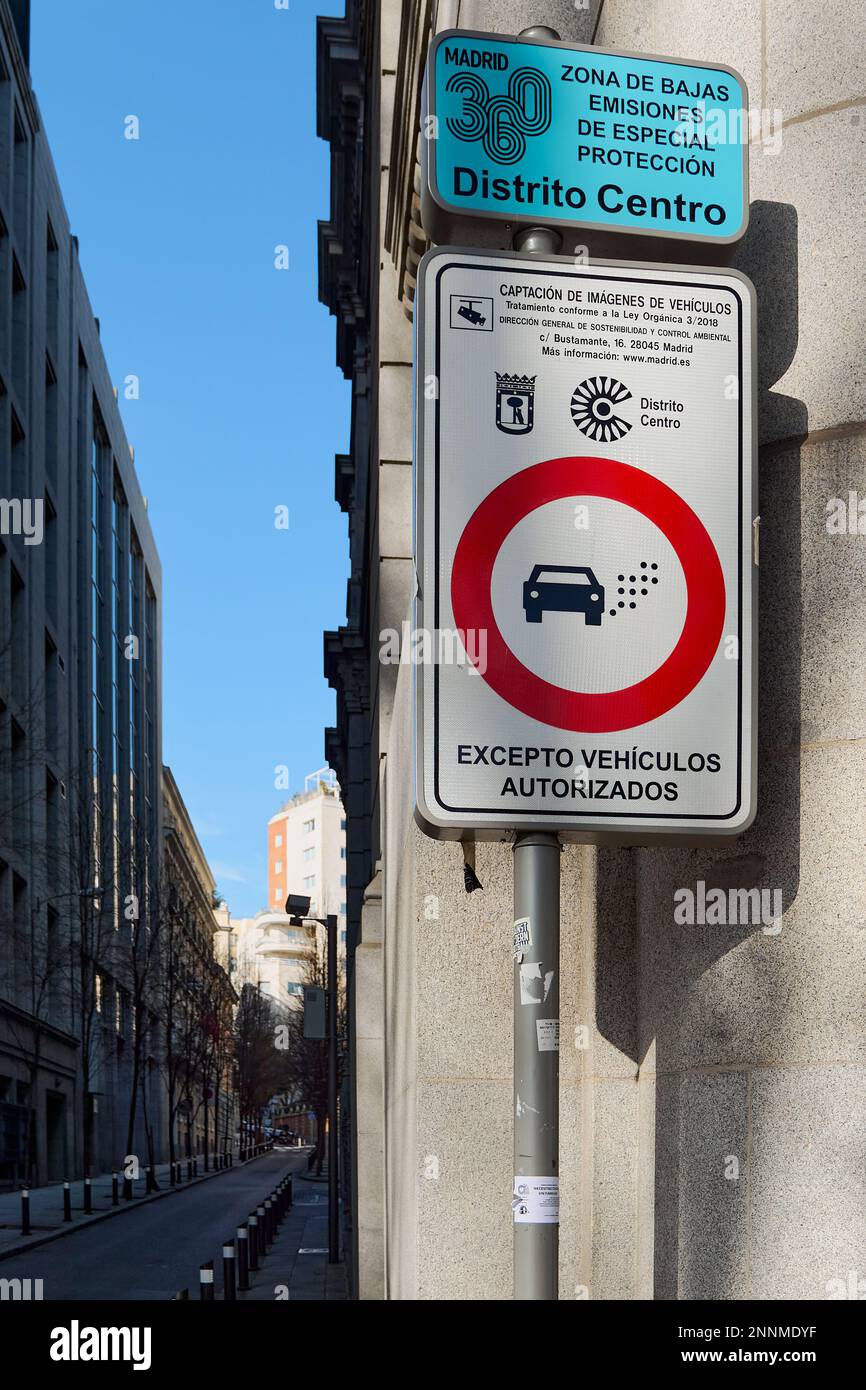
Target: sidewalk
(46, 1205)
(298, 1259)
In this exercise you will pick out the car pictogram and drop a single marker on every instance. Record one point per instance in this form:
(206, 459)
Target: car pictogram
(572, 589)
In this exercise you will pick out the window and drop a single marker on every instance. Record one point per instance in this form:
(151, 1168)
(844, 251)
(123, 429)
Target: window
(278, 895)
(342, 909)
(50, 417)
(19, 326)
(18, 456)
(343, 852)
(278, 840)
(342, 880)
(310, 882)
(98, 993)
(18, 642)
(342, 936)
(342, 825)
(309, 827)
(278, 867)
(53, 279)
(309, 853)
(51, 559)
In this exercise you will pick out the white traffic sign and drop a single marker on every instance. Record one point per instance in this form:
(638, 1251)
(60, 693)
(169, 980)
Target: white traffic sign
(584, 643)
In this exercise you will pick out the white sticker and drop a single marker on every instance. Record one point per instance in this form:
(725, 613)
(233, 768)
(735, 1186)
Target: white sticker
(535, 983)
(547, 1031)
(522, 936)
(536, 1201)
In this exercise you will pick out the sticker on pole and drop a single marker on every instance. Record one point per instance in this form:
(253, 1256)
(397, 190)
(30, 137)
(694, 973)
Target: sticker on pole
(547, 1033)
(535, 1201)
(522, 939)
(585, 500)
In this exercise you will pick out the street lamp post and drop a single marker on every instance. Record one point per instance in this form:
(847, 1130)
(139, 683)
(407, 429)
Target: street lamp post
(333, 1212)
(298, 909)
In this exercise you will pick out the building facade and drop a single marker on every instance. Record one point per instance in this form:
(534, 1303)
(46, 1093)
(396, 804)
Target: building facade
(80, 691)
(267, 952)
(712, 1136)
(307, 851)
(195, 994)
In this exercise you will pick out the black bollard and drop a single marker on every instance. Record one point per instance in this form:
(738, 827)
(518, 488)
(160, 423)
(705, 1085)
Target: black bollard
(183, 1295)
(229, 1273)
(242, 1242)
(263, 1230)
(88, 1197)
(291, 1192)
(151, 1184)
(128, 1189)
(189, 1170)
(253, 1226)
(205, 1277)
(172, 1175)
(67, 1202)
(115, 1191)
(25, 1212)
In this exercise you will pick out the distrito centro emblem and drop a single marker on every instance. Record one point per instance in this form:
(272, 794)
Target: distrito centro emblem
(593, 408)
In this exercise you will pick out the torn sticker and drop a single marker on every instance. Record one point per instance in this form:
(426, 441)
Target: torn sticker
(534, 983)
(522, 939)
(535, 1201)
(547, 1032)
(521, 1108)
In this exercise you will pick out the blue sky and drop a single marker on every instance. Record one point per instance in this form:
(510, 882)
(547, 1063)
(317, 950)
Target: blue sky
(242, 408)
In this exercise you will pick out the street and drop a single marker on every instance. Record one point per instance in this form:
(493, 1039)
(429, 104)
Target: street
(155, 1251)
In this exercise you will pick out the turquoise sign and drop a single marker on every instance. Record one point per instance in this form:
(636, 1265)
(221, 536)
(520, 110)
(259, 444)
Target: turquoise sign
(567, 136)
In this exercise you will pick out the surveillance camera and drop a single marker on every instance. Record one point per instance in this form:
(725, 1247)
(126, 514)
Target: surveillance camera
(296, 906)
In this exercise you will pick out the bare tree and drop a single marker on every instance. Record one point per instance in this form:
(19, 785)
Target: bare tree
(195, 1010)
(261, 1064)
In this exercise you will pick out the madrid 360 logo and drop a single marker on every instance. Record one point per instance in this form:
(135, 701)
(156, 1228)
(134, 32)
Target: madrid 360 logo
(502, 123)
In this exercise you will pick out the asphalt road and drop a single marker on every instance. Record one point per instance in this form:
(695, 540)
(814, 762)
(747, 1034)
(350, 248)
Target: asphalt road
(152, 1251)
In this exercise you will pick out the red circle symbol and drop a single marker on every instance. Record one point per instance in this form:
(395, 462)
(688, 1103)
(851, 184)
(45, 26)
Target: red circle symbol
(472, 603)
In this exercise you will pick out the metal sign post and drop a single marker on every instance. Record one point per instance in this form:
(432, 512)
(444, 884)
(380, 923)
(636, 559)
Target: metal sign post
(535, 1023)
(535, 1201)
